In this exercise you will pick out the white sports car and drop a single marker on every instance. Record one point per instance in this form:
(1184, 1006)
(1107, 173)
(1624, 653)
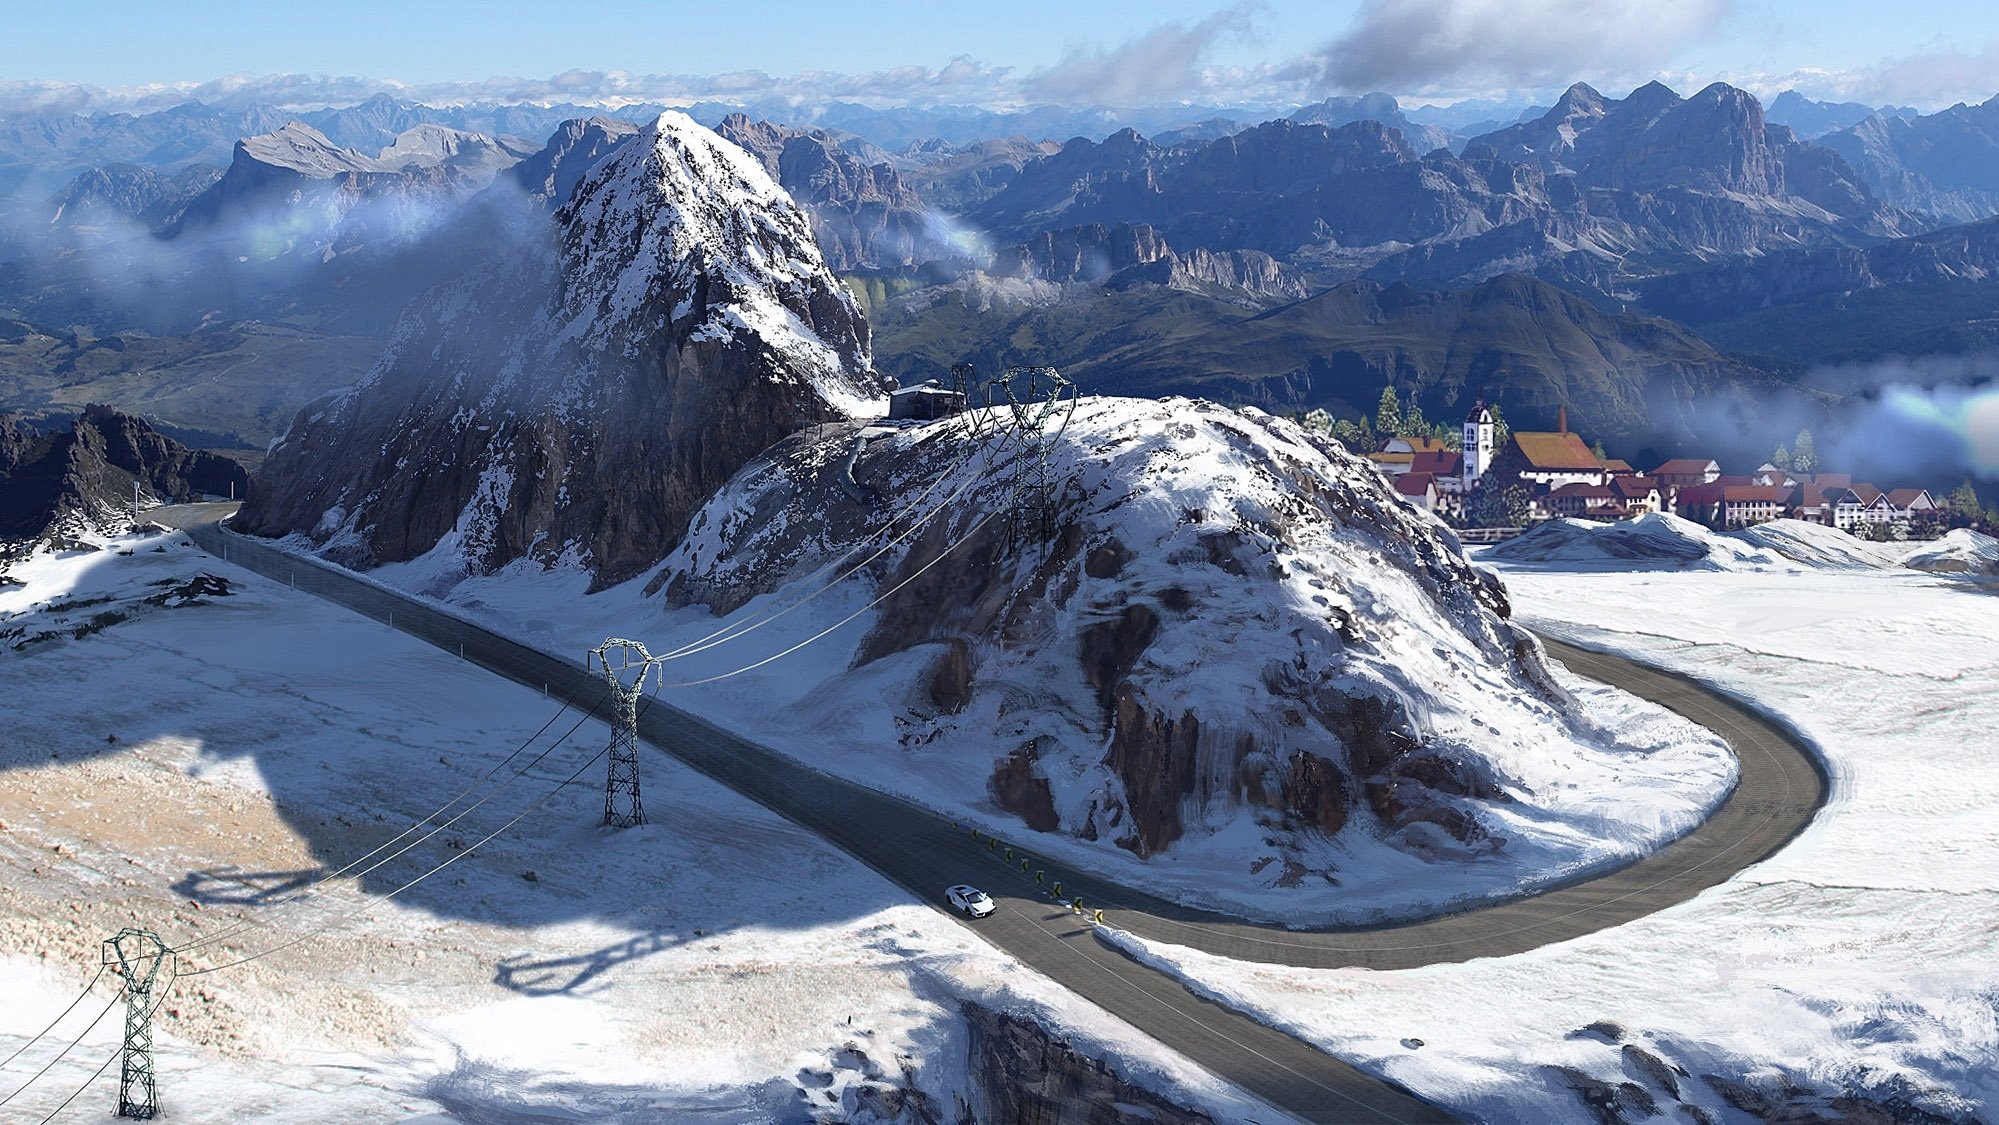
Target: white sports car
(973, 901)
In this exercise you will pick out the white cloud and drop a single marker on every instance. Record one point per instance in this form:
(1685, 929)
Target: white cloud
(1163, 65)
(1419, 46)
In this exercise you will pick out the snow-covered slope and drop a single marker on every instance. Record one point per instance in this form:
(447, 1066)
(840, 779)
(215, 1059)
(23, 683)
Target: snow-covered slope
(578, 399)
(1850, 978)
(1242, 658)
(1962, 551)
(1661, 540)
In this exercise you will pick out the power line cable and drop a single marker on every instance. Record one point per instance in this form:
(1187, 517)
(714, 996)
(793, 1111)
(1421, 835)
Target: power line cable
(246, 923)
(50, 1065)
(878, 599)
(736, 629)
(43, 1033)
(384, 897)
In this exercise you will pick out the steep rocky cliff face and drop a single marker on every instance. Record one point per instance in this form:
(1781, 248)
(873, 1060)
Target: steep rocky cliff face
(1239, 639)
(1945, 163)
(1021, 1075)
(581, 399)
(1127, 255)
(863, 213)
(1596, 191)
(81, 479)
(129, 191)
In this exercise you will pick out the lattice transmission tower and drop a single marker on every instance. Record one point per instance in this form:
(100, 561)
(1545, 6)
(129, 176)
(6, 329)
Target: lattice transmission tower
(617, 658)
(147, 967)
(1028, 411)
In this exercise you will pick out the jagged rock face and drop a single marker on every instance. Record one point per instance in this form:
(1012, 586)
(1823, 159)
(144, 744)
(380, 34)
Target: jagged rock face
(131, 192)
(550, 176)
(1023, 1076)
(579, 402)
(1966, 253)
(1128, 255)
(1596, 191)
(863, 213)
(81, 479)
(296, 188)
(1374, 107)
(1945, 164)
(1237, 622)
(962, 176)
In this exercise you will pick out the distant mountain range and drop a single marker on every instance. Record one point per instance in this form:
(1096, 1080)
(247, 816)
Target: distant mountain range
(1230, 241)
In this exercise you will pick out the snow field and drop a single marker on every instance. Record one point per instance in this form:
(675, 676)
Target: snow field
(1861, 959)
(657, 973)
(1607, 783)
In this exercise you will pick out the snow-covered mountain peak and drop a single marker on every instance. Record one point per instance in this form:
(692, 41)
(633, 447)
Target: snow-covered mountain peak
(577, 397)
(681, 204)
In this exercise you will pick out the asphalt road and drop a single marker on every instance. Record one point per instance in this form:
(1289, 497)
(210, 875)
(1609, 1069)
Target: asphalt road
(1780, 789)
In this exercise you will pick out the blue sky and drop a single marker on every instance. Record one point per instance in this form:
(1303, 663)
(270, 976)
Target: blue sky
(1027, 50)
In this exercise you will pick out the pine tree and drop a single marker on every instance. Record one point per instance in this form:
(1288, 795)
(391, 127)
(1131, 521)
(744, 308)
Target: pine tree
(1319, 419)
(1597, 450)
(1349, 433)
(1413, 423)
(1782, 459)
(1500, 430)
(1964, 501)
(1388, 415)
(1804, 458)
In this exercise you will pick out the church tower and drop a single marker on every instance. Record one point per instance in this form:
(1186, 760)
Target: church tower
(1477, 444)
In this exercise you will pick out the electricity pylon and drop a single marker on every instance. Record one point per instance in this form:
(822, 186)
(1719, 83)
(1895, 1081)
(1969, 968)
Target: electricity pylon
(1027, 418)
(141, 958)
(617, 657)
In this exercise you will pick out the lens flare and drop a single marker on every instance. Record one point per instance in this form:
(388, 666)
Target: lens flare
(1970, 417)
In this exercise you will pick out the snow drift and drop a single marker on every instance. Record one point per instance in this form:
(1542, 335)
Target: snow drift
(1962, 551)
(1660, 540)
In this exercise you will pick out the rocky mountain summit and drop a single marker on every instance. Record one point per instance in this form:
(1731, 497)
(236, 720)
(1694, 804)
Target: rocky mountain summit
(1945, 163)
(1371, 690)
(78, 480)
(1596, 191)
(579, 400)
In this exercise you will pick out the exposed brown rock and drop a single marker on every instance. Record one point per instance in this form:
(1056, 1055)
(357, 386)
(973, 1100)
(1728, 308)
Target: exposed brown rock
(1155, 758)
(1018, 789)
(951, 677)
(1315, 790)
(1111, 649)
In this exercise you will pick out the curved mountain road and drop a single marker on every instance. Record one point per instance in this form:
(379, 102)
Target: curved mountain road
(1780, 789)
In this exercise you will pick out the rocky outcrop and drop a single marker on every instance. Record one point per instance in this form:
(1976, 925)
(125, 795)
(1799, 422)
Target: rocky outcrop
(1022, 1075)
(81, 479)
(1949, 257)
(1185, 654)
(581, 400)
(550, 176)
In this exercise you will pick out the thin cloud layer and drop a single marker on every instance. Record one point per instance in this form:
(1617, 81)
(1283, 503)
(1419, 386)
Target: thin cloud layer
(1421, 46)
(962, 80)
(1162, 65)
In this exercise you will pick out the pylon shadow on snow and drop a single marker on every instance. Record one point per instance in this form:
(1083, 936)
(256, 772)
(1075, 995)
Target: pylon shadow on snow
(226, 886)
